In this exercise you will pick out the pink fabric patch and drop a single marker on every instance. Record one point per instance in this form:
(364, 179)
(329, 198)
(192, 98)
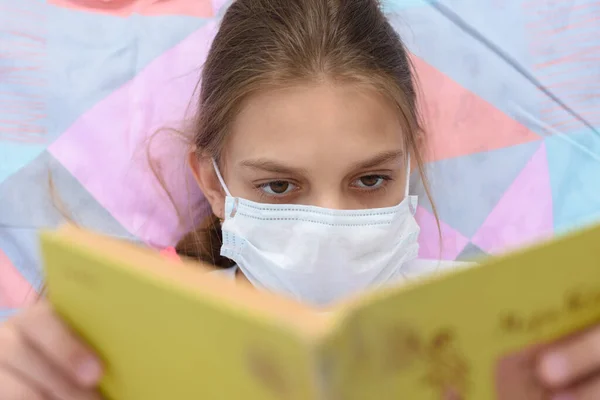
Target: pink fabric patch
(171, 254)
(124, 8)
(459, 122)
(452, 244)
(524, 214)
(106, 149)
(15, 291)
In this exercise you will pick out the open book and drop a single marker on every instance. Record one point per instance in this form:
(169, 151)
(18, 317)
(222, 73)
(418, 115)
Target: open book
(169, 330)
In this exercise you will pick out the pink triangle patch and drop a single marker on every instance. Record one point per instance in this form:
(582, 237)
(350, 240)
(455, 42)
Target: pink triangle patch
(15, 291)
(452, 244)
(124, 8)
(107, 148)
(524, 213)
(459, 122)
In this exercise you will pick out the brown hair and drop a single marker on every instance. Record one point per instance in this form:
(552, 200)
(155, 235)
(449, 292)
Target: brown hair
(263, 44)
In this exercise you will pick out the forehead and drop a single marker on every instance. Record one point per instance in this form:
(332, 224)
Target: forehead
(315, 125)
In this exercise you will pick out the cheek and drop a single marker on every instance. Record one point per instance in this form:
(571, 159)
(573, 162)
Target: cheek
(239, 187)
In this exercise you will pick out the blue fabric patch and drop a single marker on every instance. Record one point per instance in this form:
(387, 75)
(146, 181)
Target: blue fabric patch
(574, 167)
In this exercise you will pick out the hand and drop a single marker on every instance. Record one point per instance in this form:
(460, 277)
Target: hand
(41, 359)
(571, 369)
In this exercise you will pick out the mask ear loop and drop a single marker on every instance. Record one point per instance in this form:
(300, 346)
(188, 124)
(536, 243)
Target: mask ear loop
(407, 177)
(220, 177)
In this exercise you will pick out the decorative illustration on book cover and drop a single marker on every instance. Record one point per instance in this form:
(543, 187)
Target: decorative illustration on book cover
(399, 348)
(447, 368)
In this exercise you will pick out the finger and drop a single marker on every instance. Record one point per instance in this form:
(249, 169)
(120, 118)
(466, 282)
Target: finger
(570, 361)
(12, 388)
(588, 391)
(44, 330)
(26, 362)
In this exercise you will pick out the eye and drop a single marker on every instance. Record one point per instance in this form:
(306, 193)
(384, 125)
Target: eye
(277, 188)
(371, 181)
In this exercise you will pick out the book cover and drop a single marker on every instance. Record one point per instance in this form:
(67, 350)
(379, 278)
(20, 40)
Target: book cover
(167, 330)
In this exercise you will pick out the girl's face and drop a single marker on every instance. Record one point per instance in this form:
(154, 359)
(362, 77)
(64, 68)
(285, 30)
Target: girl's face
(326, 145)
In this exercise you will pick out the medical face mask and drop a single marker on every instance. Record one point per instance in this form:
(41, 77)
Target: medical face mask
(318, 255)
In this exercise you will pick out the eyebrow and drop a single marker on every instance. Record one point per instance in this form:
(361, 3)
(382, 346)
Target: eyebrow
(272, 166)
(277, 168)
(380, 159)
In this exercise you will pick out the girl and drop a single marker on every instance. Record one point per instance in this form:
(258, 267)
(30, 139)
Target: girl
(305, 138)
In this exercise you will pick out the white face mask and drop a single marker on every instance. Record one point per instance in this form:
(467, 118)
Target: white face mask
(318, 255)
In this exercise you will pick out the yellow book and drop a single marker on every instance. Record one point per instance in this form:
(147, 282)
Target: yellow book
(169, 330)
